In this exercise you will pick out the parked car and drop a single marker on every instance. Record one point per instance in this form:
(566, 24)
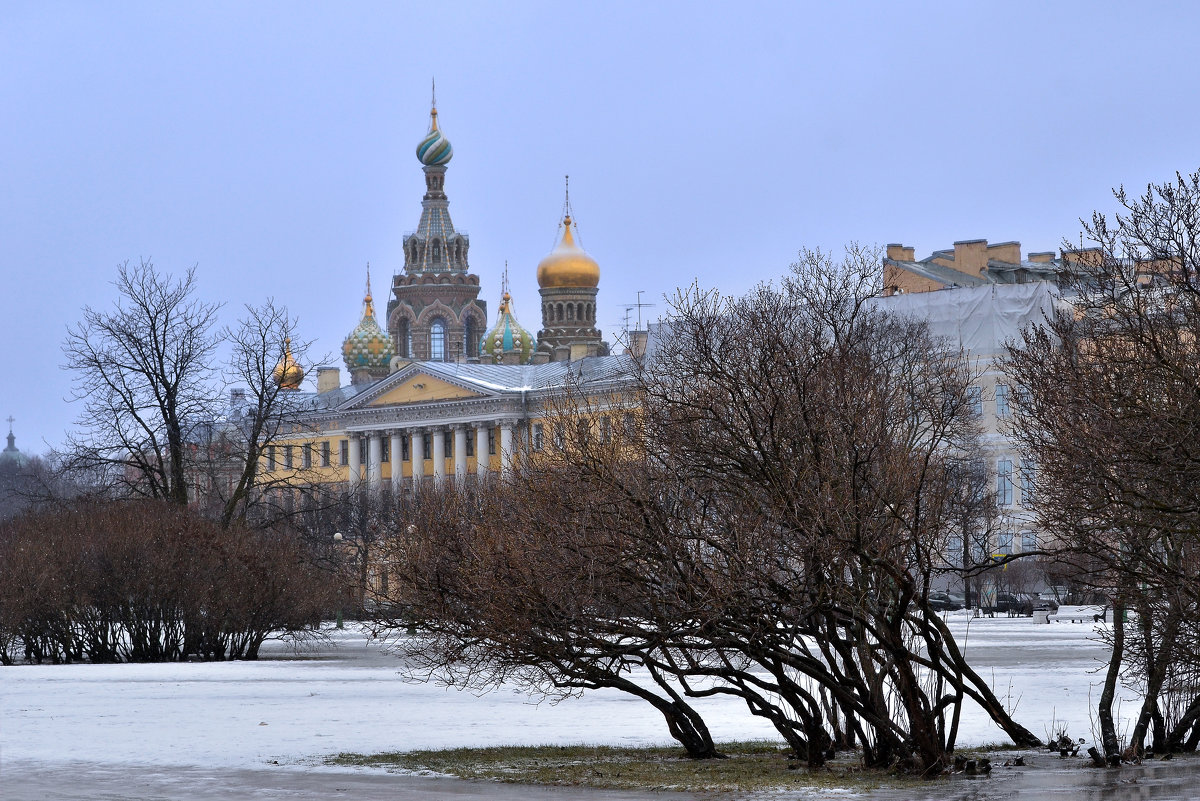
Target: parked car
(1041, 604)
(1012, 603)
(945, 602)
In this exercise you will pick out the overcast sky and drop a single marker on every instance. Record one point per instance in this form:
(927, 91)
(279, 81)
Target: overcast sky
(272, 145)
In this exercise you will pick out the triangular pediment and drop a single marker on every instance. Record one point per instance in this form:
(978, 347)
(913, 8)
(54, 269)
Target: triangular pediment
(413, 385)
(421, 388)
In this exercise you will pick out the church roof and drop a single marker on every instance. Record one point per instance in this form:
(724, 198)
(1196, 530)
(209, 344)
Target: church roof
(11, 455)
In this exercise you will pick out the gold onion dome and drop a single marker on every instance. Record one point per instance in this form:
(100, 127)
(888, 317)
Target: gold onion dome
(368, 345)
(568, 265)
(507, 336)
(288, 374)
(434, 150)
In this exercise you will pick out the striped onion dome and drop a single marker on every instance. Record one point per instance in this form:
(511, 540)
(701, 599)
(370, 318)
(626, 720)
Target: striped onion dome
(434, 150)
(368, 345)
(507, 336)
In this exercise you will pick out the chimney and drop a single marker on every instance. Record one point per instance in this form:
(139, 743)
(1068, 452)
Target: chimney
(897, 252)
(637, 342)
(1045, 257)
(1007, 252)
(328, 378)
(970, 256)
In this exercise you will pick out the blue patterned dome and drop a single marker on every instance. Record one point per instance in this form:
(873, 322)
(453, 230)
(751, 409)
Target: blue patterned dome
(435, 149)
(368, 346)
(507, 336)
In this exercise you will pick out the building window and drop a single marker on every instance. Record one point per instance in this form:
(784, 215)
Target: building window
(437, 251)
(437, 341)
(404, 338)
(975, 400)
(627, 424)
(491, 442)
(1002, 400)
(425, 446)
(470, 444)
(1004, 542)
(471, 335)
(537, 436)
(270, 458)
(1004, 483)
(287, 456)
(308, 453)
(1028, 474)
(344, 455)
(404, 447)
(385, 450)
(448, 443)
(605, 430)
(560, 437)
(1029, 541)
(325, 454)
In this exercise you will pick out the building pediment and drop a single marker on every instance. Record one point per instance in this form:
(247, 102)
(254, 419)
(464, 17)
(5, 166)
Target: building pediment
(411, 385)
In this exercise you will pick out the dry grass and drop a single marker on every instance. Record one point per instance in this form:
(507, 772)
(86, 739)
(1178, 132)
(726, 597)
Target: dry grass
(751, 766)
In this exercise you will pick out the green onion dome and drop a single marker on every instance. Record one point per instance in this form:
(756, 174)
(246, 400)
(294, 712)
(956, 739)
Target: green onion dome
(434, 150)
(368, 345)
(507, 336)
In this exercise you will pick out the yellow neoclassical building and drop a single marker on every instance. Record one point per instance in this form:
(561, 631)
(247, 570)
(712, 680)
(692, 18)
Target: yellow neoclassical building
(434, 392)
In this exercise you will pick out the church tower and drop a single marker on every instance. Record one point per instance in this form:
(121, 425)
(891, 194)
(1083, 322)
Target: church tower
(435, 314)
(568, 278)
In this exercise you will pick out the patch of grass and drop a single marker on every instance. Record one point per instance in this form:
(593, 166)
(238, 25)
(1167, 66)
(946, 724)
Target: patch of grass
(751, 766)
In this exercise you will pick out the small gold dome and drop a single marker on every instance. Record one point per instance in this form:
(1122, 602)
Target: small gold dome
(568, 265)
(288, 374)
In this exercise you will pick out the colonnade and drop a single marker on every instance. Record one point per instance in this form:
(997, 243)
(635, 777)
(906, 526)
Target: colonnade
(437, 452)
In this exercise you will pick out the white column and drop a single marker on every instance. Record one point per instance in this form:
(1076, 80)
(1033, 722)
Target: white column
(396, 453)
(481, 451)
(375, 460)
(506, 447)
(418, 455)
(355, 461)
(460, 452)
(439, 454)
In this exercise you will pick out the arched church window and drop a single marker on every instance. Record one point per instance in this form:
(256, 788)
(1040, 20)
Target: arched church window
(472, 337)
(570, 311)
(558, 313)
(579, 314)
(404, 338)
(437, 340)
(437, 251)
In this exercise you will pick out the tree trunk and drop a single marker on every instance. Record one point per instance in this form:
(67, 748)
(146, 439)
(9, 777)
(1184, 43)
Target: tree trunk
(1108, 731)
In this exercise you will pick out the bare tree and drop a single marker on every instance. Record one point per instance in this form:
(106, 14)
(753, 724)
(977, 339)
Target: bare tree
(766, 524)
(1111, 412)
(143, 374)
(263, 343)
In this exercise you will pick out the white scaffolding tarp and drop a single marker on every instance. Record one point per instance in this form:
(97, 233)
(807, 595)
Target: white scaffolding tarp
(979, 319)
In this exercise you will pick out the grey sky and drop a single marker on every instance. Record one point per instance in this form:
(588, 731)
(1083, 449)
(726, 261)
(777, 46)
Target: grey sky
(272, 144)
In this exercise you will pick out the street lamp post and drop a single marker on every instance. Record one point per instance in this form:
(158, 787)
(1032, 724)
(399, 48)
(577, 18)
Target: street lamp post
(338, 538)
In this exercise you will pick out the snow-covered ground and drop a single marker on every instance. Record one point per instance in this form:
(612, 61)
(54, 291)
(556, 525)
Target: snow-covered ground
(295, 708)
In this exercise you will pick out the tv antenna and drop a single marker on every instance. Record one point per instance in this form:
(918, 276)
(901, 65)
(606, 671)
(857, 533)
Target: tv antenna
(639, 305)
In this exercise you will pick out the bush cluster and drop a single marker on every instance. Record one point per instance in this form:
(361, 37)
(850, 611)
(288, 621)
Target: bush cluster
(147, 581)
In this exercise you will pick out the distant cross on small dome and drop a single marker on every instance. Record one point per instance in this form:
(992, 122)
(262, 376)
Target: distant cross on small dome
(12, 419)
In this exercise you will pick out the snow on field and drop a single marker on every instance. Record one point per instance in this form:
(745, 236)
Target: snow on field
(298, 707)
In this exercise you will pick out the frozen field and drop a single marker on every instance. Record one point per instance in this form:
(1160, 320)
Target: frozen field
(295, 708)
